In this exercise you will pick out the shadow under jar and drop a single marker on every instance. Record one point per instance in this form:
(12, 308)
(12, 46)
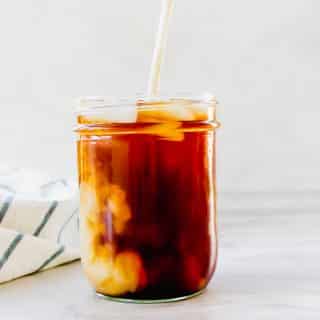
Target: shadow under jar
(147, 196)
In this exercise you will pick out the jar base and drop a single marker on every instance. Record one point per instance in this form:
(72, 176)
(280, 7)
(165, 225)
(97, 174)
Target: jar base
(149, 301)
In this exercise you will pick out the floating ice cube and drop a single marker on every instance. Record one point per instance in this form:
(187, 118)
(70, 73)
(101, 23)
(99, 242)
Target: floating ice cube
(166, 112)
(199, 111)
(166, 130)
(112, 115)
(120, 114)
(97, 110)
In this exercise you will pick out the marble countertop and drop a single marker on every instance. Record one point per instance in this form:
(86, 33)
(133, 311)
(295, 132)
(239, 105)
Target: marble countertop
(268, 268)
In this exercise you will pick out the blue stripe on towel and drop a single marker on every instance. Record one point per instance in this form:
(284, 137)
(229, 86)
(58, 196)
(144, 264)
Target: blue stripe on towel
(65, 224)
(46, 218)
(5, 206)
(10, 249)
(51, 258)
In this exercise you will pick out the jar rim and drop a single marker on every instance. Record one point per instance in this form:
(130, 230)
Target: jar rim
(140, 101)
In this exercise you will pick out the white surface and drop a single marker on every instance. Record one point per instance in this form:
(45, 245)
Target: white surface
(268, 269)
(260, 57)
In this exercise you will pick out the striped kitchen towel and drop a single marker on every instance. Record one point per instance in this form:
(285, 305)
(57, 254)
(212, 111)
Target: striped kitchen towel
(38, 223)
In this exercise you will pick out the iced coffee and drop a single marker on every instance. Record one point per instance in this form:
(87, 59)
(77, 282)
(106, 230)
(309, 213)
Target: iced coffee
(147, 196)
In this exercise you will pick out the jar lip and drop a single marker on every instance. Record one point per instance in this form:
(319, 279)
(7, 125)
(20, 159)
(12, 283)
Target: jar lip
(140, 101)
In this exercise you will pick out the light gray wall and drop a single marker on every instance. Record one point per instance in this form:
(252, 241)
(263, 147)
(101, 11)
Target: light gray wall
(261, 58)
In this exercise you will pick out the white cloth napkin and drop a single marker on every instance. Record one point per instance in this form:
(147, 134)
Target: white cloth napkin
(38, 223)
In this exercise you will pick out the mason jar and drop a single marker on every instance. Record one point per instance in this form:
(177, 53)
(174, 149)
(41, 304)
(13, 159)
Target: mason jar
(148, 196)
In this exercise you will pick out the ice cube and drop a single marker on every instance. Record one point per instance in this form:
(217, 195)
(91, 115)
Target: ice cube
(166, 130)
(110, 114)
(200, 112)
(166, 112)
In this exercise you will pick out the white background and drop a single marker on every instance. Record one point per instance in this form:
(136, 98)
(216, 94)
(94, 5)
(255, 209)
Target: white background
(261, 59)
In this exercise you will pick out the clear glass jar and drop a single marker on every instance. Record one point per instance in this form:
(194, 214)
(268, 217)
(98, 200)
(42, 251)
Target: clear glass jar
(148, 196)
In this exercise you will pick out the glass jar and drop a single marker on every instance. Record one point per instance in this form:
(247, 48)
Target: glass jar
(148, 196)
